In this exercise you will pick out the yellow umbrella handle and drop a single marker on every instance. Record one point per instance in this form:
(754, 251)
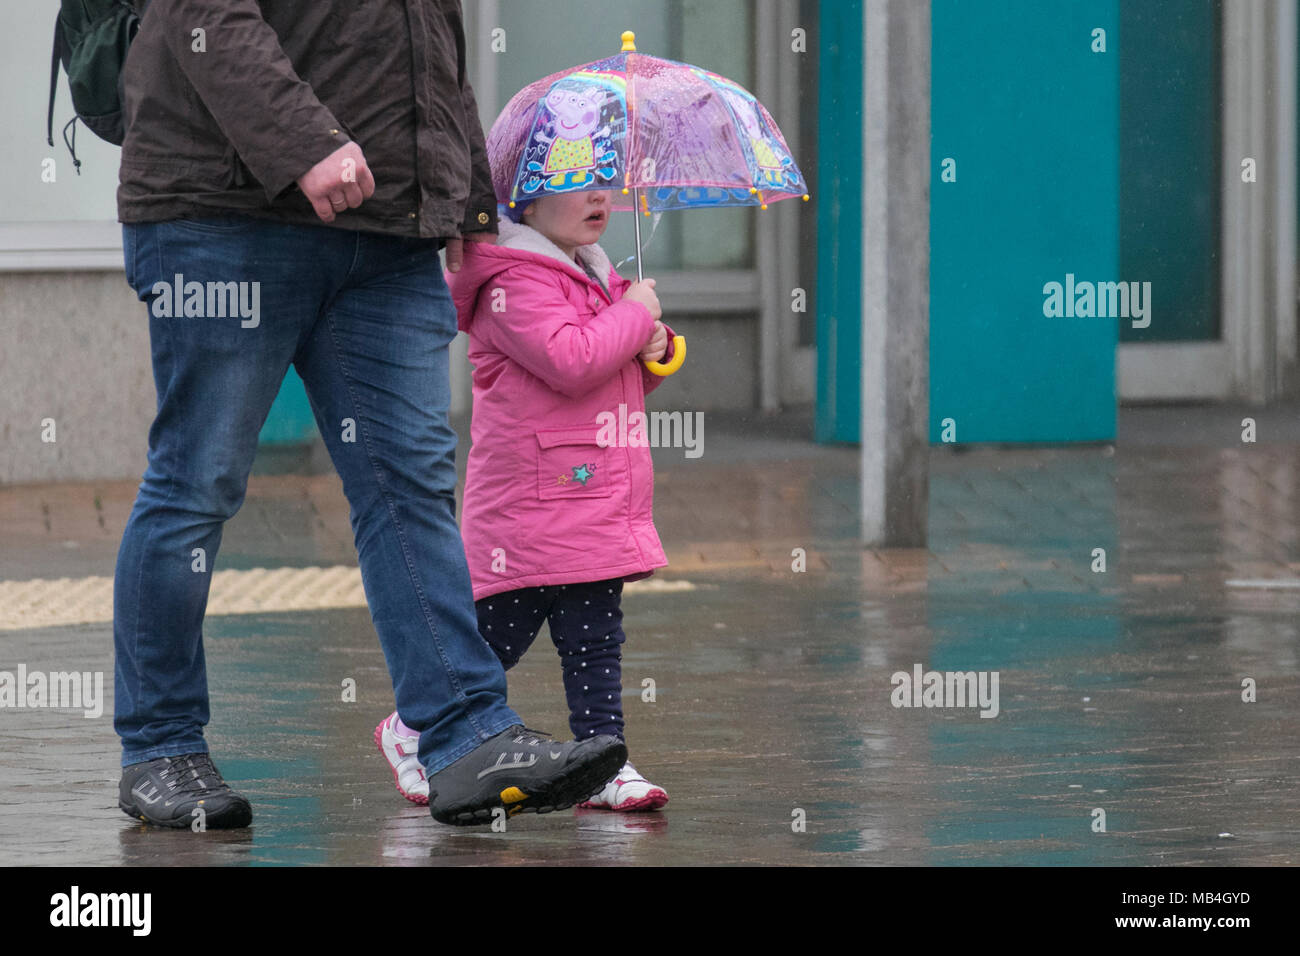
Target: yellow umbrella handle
(679, 356)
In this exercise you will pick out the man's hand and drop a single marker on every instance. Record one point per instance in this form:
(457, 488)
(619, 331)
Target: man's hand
(341, 180)
(456, 247)
(657, 347)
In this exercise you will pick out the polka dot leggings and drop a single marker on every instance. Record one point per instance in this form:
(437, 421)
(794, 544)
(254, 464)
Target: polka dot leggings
(586, 625)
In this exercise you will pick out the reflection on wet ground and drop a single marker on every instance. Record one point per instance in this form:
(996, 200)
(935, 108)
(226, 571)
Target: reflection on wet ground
(773, 725)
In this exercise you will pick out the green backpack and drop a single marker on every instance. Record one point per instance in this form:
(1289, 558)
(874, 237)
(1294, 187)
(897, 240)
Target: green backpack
(91, 38)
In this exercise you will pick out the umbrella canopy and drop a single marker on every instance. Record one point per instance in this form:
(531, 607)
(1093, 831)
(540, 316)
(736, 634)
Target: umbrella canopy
(662, 134)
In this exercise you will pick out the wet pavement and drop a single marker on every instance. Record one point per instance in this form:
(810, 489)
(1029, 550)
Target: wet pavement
(772, 724)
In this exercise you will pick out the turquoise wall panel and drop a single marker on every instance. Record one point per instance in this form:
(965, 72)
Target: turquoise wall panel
(1170, 132)
(839, 215)
(291, 421)
(1030, 115)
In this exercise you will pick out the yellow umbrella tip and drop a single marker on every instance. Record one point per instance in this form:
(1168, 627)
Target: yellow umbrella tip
(629, 42)
(806, 197)
(512, 204)
(764, 206)
(625, 190)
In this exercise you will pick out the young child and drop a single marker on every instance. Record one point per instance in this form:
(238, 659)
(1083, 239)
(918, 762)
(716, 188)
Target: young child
(554, 521)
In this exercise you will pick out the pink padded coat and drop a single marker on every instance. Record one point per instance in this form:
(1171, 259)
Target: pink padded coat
(545, 503)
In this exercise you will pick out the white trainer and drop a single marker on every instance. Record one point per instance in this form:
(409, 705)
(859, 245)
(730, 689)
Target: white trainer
(402, 754)
(628, 791)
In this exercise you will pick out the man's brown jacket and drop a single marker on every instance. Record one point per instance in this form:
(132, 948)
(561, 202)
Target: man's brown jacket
(228, 102)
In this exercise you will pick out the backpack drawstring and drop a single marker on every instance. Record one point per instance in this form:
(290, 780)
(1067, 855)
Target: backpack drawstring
(72, 145)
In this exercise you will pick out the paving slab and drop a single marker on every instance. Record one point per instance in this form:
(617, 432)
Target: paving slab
(774, 723)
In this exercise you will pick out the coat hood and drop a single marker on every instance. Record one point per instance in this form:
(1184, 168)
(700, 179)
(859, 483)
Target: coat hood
(518, 244)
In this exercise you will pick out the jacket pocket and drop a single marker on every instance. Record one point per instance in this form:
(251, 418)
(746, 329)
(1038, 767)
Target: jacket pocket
(572, 464)
(238, 174)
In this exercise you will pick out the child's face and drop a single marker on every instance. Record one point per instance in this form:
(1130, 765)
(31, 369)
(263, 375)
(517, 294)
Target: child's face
(571, 219)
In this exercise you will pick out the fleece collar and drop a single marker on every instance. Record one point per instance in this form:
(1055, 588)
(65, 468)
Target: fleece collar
(512, 235)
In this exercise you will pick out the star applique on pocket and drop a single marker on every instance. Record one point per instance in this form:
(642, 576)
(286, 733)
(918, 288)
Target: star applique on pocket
(558, 476)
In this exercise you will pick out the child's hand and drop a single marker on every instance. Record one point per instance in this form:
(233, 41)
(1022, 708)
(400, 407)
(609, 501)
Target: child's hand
(657, 347)
(644, 292)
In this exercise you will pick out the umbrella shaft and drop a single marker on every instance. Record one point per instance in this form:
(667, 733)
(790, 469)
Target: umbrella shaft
(636, 219)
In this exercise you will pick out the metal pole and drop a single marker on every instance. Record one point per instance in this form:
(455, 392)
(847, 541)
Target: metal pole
(774, 300)
(895, 273)
(1284, 205)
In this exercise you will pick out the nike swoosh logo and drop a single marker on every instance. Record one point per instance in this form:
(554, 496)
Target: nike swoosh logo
(557, 756)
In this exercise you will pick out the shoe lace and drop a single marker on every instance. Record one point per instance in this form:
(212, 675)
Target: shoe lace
(191, 774)
(522, 731)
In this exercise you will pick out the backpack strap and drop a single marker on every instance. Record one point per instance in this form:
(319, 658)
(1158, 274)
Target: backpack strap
(60, 50)
(55, 59)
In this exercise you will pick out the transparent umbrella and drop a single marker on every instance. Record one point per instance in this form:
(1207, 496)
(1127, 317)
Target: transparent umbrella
(663, 135)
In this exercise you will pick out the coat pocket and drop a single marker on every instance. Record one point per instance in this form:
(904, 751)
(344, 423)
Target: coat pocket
(572, 464)
(237, 173)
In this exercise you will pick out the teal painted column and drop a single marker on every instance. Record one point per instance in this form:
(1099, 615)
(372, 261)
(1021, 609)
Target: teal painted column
(839, 213)
(1029, 115)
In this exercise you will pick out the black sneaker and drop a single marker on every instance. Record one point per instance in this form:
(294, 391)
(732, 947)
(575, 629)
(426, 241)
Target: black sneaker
(524, 772)
(167, 791)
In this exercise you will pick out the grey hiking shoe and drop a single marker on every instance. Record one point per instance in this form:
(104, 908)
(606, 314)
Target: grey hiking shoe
(522, 771)
(177, 791)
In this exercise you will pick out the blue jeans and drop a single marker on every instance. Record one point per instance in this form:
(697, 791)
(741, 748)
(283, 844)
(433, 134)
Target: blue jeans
(366, 319)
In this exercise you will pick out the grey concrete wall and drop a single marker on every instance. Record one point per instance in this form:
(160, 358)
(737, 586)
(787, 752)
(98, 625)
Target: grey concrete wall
(721, 370)
(74, 347)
